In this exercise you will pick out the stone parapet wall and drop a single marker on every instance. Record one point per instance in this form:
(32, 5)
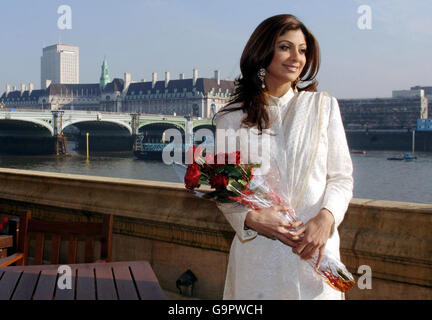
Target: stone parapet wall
(394, 239)
(165, 224)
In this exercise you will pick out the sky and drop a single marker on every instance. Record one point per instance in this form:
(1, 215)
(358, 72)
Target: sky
(145, 36)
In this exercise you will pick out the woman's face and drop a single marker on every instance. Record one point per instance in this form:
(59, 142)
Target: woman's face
(289, 58)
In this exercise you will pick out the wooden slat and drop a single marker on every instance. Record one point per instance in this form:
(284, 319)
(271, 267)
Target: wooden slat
(55, 248)
(14, 258)
(125, 286)
(66, 294)
(72, 251)
(39, 248)
(85, 283)
(84, 228)
(106, 245)
(6, 241)
(89, 253)
(31, 267)
(105, 287)
(8, 283)
(46, 285)
(23, 237)
(146, 281)
(26, 285)
(13, 231)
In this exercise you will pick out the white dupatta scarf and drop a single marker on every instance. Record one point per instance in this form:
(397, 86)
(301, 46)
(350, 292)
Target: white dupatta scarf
(297, 130)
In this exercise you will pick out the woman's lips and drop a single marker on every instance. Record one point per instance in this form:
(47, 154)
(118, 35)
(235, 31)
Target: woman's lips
(290, 68)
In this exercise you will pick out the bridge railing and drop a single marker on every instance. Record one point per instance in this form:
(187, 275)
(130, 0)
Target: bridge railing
(144, 115)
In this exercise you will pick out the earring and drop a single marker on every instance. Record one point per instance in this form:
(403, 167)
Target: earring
(261, 75)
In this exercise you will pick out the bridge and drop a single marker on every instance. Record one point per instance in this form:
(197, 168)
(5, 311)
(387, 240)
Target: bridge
(19, 129)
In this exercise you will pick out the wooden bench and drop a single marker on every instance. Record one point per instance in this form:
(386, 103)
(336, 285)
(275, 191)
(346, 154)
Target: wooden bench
(57, 230)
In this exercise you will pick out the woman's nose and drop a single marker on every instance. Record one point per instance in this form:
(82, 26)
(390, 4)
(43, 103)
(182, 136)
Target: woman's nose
(295, 55)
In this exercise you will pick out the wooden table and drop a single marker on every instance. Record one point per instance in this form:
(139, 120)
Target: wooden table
(91, 281)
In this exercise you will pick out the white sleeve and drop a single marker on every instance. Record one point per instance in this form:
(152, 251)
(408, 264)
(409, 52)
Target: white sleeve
(235, 213)
(339, 187)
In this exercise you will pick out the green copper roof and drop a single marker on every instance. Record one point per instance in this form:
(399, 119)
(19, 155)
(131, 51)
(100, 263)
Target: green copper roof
(104, 79)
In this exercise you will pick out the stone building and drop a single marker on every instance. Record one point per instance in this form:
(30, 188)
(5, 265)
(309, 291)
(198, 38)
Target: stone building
(401, 111)
(26, 98)
(198, 97)
(195, 97)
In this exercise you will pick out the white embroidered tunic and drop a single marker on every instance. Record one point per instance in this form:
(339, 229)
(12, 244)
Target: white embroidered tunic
(312, 153)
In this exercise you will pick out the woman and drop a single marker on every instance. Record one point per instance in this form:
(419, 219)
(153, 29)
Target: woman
(307, 145)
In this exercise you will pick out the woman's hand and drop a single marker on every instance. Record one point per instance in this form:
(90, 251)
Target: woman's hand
(269, 223)
(316, 233)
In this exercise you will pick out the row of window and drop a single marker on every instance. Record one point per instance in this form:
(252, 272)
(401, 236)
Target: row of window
(26, 102)
(176, 94)
(134, 96)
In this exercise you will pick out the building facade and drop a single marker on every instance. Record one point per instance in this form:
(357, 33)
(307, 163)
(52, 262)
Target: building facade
(59, 64)
(197, 97)
(428, 94)
(194, 97)
(401, 111)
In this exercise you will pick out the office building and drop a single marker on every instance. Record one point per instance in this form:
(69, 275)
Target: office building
(59, 64)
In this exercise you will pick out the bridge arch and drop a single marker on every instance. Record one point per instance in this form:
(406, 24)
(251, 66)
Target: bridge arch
(205, 129)
(82, 121)
(155, 130)
(16, 121)
(179, 125)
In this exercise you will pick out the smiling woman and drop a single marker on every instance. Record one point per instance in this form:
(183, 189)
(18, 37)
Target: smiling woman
(307, 150)
(276, 47)
(288, 62)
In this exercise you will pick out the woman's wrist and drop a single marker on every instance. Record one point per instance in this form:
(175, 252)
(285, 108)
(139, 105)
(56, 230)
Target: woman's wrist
(247, 222)
(327, 215)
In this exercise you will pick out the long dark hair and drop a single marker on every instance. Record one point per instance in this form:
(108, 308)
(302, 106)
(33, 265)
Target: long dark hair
(258, 53)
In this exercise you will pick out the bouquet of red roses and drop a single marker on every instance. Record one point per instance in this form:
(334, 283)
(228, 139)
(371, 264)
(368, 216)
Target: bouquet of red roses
(234, 181)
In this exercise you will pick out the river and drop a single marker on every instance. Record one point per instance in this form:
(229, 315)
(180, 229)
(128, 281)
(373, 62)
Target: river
(375, 177)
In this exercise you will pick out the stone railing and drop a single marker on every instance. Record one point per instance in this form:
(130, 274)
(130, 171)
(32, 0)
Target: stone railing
(166, 225)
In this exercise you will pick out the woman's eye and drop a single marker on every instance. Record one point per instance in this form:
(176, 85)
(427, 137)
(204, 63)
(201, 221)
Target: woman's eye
(284, 48)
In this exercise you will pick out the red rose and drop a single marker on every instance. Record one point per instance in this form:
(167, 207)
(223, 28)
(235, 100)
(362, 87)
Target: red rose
(192, 176)
(219, 182)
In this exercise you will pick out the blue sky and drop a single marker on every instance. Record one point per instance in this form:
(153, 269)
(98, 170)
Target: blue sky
(145, 36)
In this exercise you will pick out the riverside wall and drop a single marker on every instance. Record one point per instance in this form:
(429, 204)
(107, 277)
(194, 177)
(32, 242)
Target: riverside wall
(165, 224)
(397, 140)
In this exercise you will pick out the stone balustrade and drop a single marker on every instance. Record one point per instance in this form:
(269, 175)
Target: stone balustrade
(165, 224)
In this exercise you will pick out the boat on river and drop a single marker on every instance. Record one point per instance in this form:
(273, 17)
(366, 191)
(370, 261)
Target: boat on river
(405, 156)
(363, 152)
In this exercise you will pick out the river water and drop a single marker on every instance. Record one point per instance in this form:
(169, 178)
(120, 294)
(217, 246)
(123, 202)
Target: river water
(375, 177)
